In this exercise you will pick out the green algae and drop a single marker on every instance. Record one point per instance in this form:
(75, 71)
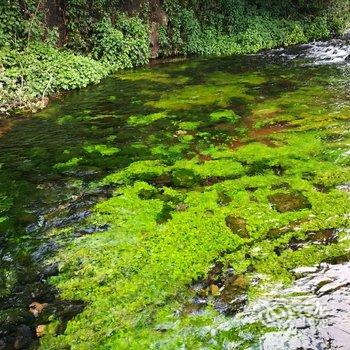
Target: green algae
(142, 268)
(199, 164)
(224, 115)
(189, 125)
(104, 150)
(146, 119)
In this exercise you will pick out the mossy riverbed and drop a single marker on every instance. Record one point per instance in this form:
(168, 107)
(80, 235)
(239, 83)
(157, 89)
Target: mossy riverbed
(167, 199)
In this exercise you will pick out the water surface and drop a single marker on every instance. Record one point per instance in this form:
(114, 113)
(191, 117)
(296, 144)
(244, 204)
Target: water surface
(229, 174)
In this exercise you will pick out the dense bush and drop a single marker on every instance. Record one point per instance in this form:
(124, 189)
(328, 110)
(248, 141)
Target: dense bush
(238, 26)
(123, 45)
(42, 70)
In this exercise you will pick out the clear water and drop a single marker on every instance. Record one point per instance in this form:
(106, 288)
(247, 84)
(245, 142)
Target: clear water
(168, 112)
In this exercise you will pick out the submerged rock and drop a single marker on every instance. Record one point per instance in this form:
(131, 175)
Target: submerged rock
(226, 291)
(345, 187)
(237, 226)
(233, 296)
(284, 202)
(24, 338)
(36, 308)
(91, 229)
(184, 178)
(224, 199)
(324, 237)
(303, 271)
(40, 330)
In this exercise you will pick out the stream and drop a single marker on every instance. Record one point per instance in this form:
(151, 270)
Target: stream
(53, 166)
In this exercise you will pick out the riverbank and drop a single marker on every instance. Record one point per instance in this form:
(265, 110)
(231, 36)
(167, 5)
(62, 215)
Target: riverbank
(35, 65)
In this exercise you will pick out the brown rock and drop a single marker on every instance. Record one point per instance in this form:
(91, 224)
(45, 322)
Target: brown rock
(36, 308)
(237, 226)
(40, 330)
(283, 202)
(214, 289)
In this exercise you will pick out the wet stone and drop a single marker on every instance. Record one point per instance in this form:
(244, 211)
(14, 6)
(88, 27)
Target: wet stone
(68, 220)
(333, 138)
(284, 202)
(181, 207)
(40, 330)
(214, 289)
(49, 270)
(65, 311)
(24, 337)
(184, 178)
(235, 305)
(226, 291)
(321, 188)
(212, 180)
(162, 180)
(204, 158)
(316, 317)
(45, 249)
(277, 232)
(91, 229)
(87, 174)
(36, 308)
(278, 170)
(324, 236)
(237, 226)
(344, 188)
(195, 307)
(231, 297)
(283, 186)
(215, 274)
(147, 194)
(234, 287)
(224, 199)
(303, 271)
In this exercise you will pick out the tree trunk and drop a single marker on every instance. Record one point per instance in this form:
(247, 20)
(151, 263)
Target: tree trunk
(56, 17)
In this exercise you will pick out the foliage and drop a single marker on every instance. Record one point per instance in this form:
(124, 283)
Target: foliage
(105, 31)
(237, 26)
(42, 70)
(124, 45)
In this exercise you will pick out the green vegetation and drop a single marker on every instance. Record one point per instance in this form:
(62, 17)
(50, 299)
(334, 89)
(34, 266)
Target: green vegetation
(40, 71)
(262, 209)
(82, 43)
(136, 276)
(197, 174)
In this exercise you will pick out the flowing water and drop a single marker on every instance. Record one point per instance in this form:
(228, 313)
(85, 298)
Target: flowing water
(255, 148)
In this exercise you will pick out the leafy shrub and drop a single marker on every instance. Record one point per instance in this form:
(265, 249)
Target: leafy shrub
(21, 23)
(318, 29)
(124, 45)
(42, 70)
(296, 35)
(115, 40)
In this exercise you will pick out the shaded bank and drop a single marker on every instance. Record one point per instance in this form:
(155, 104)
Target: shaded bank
(52, 46)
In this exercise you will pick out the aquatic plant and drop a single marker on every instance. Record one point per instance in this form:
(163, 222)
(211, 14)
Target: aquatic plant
(260, 210)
